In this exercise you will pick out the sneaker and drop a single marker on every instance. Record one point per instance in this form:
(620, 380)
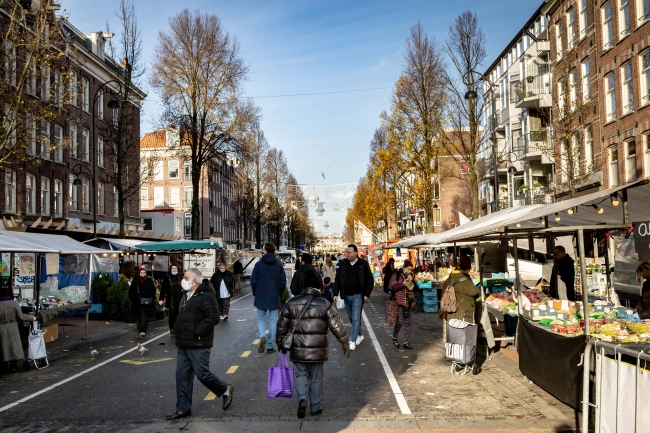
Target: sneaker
(220, 317)
(407, 346)
(359, 340)
(270, 350)
(142, 334)
(352, 345)
(302, 408)
(262, 346)
(395, 342)
(318, 412)
(225, 317)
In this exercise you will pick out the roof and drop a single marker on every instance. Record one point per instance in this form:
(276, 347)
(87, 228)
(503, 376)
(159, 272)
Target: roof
(154, 139)
(115, 244)
(11, 241)
(181, 245)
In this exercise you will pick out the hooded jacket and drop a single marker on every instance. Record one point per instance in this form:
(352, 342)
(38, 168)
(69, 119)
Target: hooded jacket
(197, 317)
(268, 281)
(305, 276)
(466, 291)
(310, 338)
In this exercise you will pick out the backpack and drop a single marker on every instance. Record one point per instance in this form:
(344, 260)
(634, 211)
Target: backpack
(449, 303)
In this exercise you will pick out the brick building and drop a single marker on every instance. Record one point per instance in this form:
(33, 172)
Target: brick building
(65, 149)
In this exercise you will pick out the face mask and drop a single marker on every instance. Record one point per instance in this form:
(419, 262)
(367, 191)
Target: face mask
(174, 272)
(186, 285)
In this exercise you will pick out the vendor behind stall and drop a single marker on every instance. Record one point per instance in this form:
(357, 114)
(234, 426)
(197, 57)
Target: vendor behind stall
(643, 309)
(11, 348)
(564, 269)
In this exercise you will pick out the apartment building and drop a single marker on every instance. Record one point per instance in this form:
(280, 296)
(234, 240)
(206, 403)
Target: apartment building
(517, 102)
(69, 156)
(166, 193)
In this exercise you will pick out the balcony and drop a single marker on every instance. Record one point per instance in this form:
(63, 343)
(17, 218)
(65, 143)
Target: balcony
(534, 146)
(534, 92)
(540, 195)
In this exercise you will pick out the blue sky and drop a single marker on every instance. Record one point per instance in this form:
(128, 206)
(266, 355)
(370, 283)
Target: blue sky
(317, 46)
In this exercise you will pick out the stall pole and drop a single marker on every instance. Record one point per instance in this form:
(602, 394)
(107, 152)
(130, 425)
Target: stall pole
(37, 281)
(455, 256)
(626, 213)
(12, 265)
(479, 264)
(583, 278)
(87, 299)
(516, 255)
(607, 273)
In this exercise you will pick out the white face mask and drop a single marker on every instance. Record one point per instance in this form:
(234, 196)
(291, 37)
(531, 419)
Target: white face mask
(186, 285)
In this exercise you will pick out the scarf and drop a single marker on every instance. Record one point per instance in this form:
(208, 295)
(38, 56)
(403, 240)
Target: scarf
(141, 278)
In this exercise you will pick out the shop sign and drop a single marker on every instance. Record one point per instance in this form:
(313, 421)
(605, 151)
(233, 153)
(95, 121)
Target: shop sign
(642, 240)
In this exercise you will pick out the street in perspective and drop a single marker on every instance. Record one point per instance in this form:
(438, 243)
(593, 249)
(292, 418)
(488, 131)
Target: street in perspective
(287, 216)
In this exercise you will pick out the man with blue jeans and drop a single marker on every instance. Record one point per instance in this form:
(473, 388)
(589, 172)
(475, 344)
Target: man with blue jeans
(268, 281)
(354, 283)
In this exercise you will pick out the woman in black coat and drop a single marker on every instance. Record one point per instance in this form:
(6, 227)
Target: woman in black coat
(143, 294)
(171, 293)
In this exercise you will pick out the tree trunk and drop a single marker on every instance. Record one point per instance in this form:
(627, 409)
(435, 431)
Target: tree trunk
(196, 209)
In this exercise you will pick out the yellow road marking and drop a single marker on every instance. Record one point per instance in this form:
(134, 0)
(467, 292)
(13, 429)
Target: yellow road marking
(256, 341)
(232, 369)
(245, 354)
(211, 396)
(144, 361)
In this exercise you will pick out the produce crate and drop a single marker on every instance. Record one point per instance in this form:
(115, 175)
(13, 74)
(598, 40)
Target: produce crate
(425, 285)
(97, 308)
(433, 292)
(430, 300)
(430, 308)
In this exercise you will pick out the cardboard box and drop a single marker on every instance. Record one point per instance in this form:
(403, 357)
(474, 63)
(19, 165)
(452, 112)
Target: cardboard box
(51, 333)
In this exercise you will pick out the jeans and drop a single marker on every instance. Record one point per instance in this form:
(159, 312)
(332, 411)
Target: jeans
(261, 325)
(353, 306)
(188, 363)
(309, 380)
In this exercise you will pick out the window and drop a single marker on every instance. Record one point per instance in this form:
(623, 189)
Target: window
(85, 189)
(73, 192)
(100, 198)
(30, 135)
(188, 224)
(172, 167)
(10, 191)
(628, 93)
(560, 97)
(30, 195)
(559, 29)
(630, 161)
(608, 30)
(100, 151)
(58, 198)
(45, 139)
(145, 173)
(624, 19)
(45, 82)
(646, 159)
(178, 224)
(158, 170)
(58, 143)
(437, 217)
(645, 77)
(73, 98)
(148, 224)
(573, 91)
(115, 116)
(73, 140)
(613, 167)
(575, 156)
(564, 162)
(10, 63)
(85, 95)
(30, 83)
(158, 196)
(45, 196)
(116, 203)
(10, 125)
(583, 20)
(610, 98)
(144, 198)
(187, 197)
(85, 144)
(58, 89)
(100, 104)
(642, 11)
(589, 150)
(187, 165)
(586, 81)
(570, 25)
(174, 196)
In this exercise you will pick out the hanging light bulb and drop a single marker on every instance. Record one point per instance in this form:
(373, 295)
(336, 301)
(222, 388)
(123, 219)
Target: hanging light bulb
(598, 208)
(557, 217)
(570, 211)
(615, 200)
(518, 225)
(601, 210)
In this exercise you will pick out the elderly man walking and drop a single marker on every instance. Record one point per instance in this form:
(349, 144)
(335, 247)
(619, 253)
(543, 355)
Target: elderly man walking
(198, 314)
(268, 281)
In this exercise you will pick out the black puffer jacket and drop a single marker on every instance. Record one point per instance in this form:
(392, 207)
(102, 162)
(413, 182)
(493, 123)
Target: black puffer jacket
(306, 276)
(310, 339)
(227, 278)
(197, 318)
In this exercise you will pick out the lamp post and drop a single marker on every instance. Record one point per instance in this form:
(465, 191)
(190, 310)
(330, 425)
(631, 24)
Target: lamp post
(113, 103)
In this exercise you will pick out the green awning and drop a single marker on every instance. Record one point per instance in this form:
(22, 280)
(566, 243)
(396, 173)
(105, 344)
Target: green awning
(181, 245)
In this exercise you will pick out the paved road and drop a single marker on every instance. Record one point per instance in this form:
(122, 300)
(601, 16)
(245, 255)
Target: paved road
(379, 386)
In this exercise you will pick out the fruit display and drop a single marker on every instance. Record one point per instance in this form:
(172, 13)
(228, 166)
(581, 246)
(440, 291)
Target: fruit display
(621, 331)
(504, 301)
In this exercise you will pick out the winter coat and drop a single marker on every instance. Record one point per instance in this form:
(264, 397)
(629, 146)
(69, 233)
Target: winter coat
(327, 293)
(237, 267)
(329, 271)
(306, 276)
(644, 306)
(310, 338)
(365, 277)
(227, 277)
(197, 317)
(563, 267)
(268, 281)
(466, 291)
(398, 289)
(11, 348)
(171, 291)
(388, 272)
(140, 290)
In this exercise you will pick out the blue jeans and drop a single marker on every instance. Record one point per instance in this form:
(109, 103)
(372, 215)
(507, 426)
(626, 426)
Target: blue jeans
(353, 306)
(261, 325)
(188, 363)
(309, 381)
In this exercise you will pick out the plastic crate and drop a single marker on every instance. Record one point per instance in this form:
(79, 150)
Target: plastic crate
(498, 289)
(97, 308)
(431, 292)
(430, 301)
(425, 285)
(430, 308)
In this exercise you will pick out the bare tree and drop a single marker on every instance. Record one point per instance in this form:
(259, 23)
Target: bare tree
(277, 177)
(254, 168)
(199, 72)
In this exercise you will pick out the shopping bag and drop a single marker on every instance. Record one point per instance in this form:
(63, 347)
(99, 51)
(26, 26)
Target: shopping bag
(280, 380)
(340, 303)
(36, 344)
(391, 312)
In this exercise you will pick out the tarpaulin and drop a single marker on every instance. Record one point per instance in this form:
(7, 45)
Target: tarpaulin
(551, 361)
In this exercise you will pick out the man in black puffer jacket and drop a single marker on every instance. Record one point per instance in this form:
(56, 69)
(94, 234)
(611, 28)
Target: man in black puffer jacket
(310, 347)
(198, 314)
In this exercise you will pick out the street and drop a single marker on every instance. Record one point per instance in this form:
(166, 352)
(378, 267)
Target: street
(379, 386)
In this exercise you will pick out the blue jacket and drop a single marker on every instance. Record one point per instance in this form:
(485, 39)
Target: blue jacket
(268, 281)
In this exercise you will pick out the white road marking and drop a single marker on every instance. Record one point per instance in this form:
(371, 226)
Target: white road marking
(71, 378)
(401, 401)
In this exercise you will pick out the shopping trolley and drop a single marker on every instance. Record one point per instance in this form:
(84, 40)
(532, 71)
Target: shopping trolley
(460, 347)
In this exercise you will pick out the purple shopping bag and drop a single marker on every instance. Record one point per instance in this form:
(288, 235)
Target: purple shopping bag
(280, 382)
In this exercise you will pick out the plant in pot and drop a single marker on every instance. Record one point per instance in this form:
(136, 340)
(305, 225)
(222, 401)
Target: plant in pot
(100, 286)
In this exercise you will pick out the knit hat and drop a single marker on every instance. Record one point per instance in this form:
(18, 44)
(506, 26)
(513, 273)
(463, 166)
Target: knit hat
(465, 264)
(407, 263)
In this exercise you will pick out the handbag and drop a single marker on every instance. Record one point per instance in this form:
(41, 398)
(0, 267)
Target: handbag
(280, 379)
(340, 303)
(287, 340)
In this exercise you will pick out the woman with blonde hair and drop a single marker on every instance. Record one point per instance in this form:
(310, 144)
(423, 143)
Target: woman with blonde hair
(643, 270)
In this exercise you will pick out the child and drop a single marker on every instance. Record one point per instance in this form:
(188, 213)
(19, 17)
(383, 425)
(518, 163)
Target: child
(327, 290)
